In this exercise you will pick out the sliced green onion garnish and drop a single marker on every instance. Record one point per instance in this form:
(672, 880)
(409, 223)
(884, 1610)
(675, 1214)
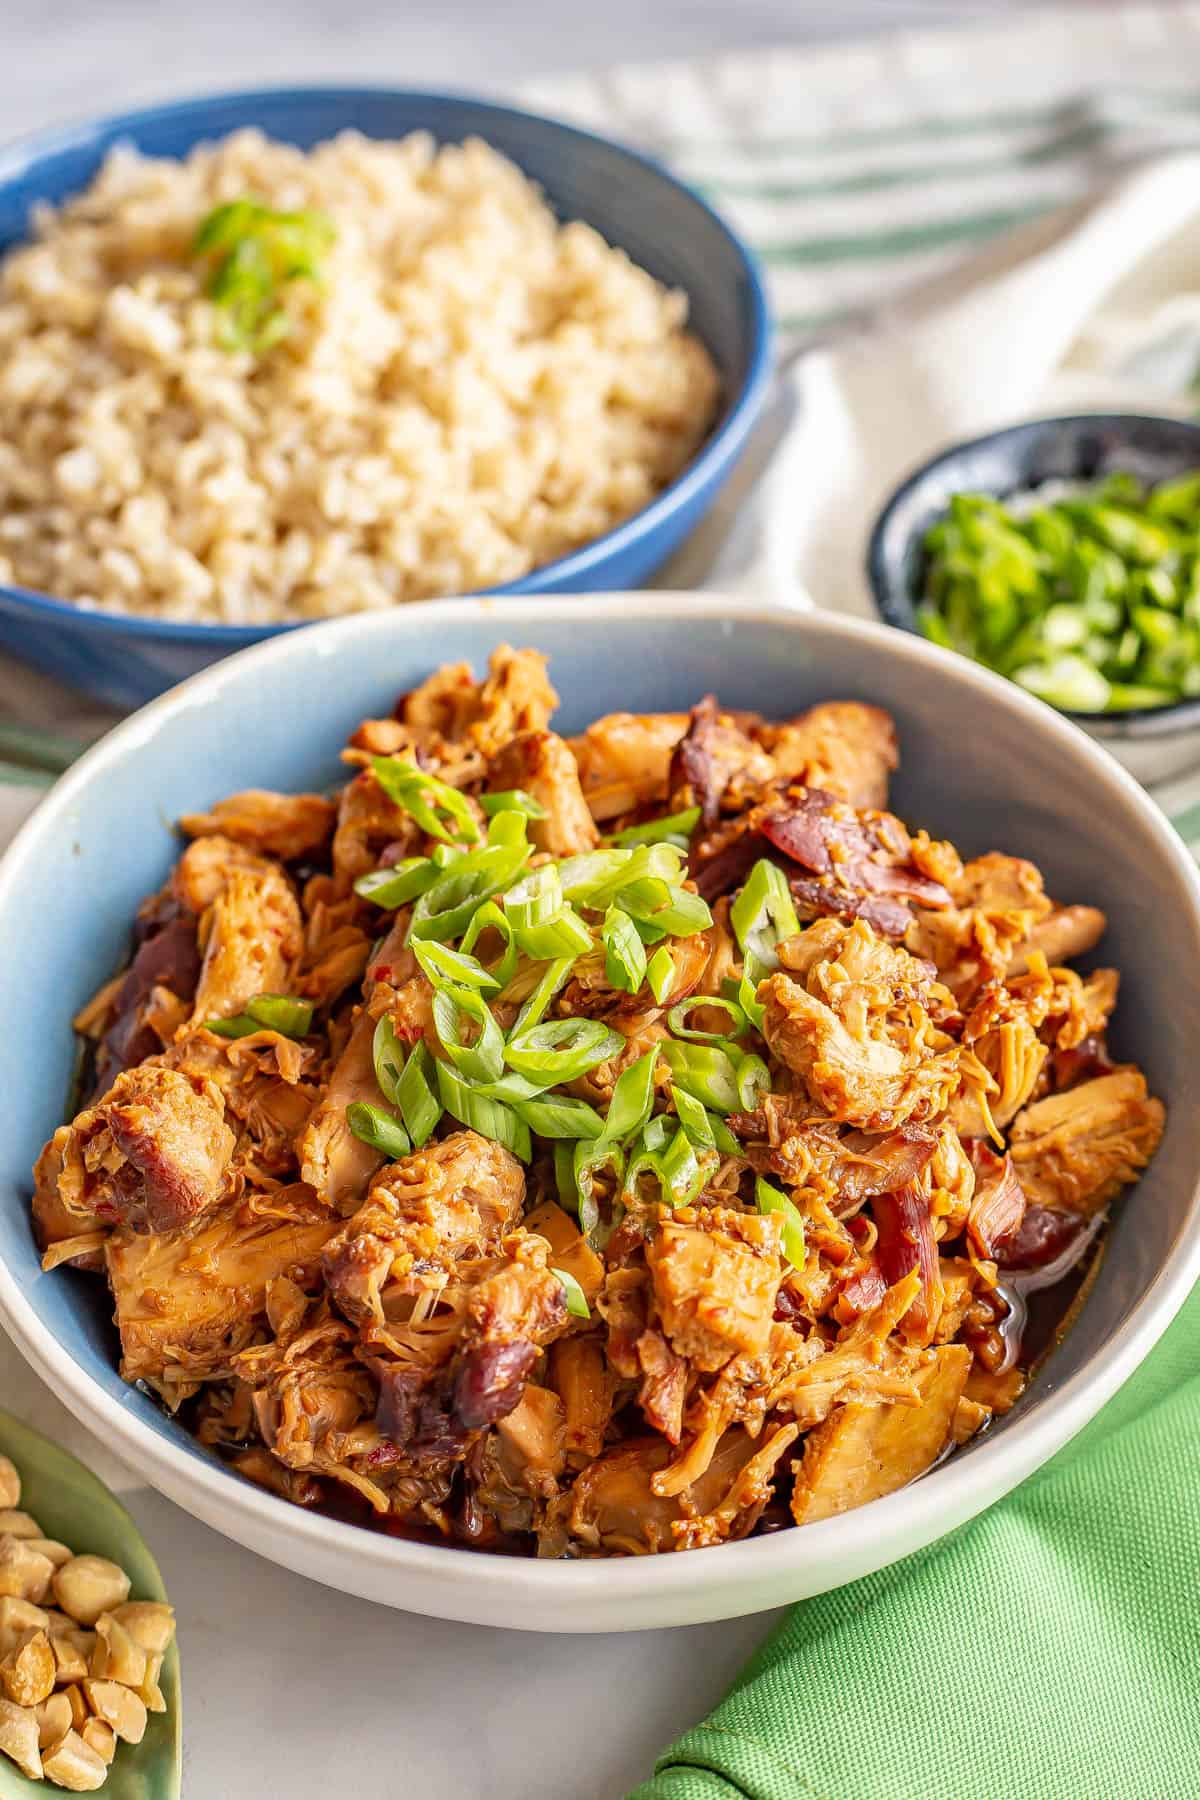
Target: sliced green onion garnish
(666, 906)
(753, 1080)
(389, 1060)
(573, 1294)
(678, 1167)
(534, 899)
(660, 973)
(281, 1013)
(562, 1049)
(490, 917)
(553, 977)
(677, 1019)
(453, 1009)
(595, 878)
(440, 810)
(706, 1130)
(490, 1118)
(591, 1158)
(763, 915)
(624, 952)
(379, 1129)
(512, 800)
(254, 253)
(441, 963)
(416, 1096)
(632, 1098)
(398, 885)
(771, 1200)
(705, 1071)
(445, 910)
(560, 1116)
(674, 825)
(563, 935)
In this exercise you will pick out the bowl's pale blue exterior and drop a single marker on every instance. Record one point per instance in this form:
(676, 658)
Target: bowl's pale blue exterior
(632, 201)
(981, 764)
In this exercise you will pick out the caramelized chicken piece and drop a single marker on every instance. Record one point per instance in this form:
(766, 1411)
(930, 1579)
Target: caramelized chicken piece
(580, 1376)
(713, 759)
(624, 760)
(519, 1465)
(715, 1275)
(856, 1367)
(1077, 1149)
(612, 1508)
(516, 697)
(860, 865)
(570, 1248)
(862, 1453)
(1065, 932)
(368, 824)
(455, 1198)
(841, 745)
(332, 1160)
(1001, 914)
(252, 936)
(855, 1027)
(206, 868)
(187, 1301)
(998, 1206)
(288, 826)
(152, 1155)
(541, 764)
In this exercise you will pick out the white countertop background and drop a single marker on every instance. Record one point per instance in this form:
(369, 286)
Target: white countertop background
(290, 1689)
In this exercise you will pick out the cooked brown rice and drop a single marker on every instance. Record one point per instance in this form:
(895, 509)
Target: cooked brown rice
(474, 389)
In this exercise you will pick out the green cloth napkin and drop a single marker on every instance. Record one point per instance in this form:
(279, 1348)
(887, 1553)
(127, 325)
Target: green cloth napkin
(1049, 1650)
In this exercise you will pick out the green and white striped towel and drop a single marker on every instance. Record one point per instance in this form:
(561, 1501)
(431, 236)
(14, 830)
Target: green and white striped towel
(860, 173)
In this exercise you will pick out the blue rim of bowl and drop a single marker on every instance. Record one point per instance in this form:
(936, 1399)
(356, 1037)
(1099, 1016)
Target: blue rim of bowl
(715, 455)
(1152, 722)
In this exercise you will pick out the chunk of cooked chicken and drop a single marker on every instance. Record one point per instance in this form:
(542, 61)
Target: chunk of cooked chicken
(715, 757)
(1065, 932)
(252, 936)
(455, 1198)
(840, 745)
(333, 1161)
(288, 826)
(862, 1452)
(152, 1155)
(612, 1508)
(624, 760)
(853, 1022)
(187, 1301)
(856, 865)
(715, 1274)
(369, 823)
(207, 866)
(542, 764)
(1075, 1150)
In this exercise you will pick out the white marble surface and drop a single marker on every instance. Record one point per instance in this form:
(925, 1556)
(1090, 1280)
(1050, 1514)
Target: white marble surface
(290, 1689)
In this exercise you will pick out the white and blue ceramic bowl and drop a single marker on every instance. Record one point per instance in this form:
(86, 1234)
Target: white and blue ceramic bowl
(982, 763)
(632, 201)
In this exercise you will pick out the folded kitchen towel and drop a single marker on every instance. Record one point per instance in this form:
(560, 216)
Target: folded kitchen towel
(1046, 1651)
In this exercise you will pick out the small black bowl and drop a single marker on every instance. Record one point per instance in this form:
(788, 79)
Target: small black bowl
(1083, 447)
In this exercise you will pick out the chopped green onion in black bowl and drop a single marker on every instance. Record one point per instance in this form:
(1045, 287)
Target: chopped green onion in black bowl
(1064, 555)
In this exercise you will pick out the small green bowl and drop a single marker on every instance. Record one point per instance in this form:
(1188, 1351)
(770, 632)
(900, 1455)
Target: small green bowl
(71, 1505)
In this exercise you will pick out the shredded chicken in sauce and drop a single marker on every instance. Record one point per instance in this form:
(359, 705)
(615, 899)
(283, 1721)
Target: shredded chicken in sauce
(589, 1146)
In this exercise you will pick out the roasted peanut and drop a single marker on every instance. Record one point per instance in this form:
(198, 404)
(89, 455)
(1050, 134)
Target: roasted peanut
(24, 1573)
(19, 1738)
(51, 1549)
(148, 1687)
(27, 1673)
(150, 1623)
(10, 1485)
(72, 1654)
(119, 1707)
(79, 1706)
(18, 1524)
(116, 1657)
(54, 1719)
(73, 1764)
(101, 1737)
(87, 1586)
